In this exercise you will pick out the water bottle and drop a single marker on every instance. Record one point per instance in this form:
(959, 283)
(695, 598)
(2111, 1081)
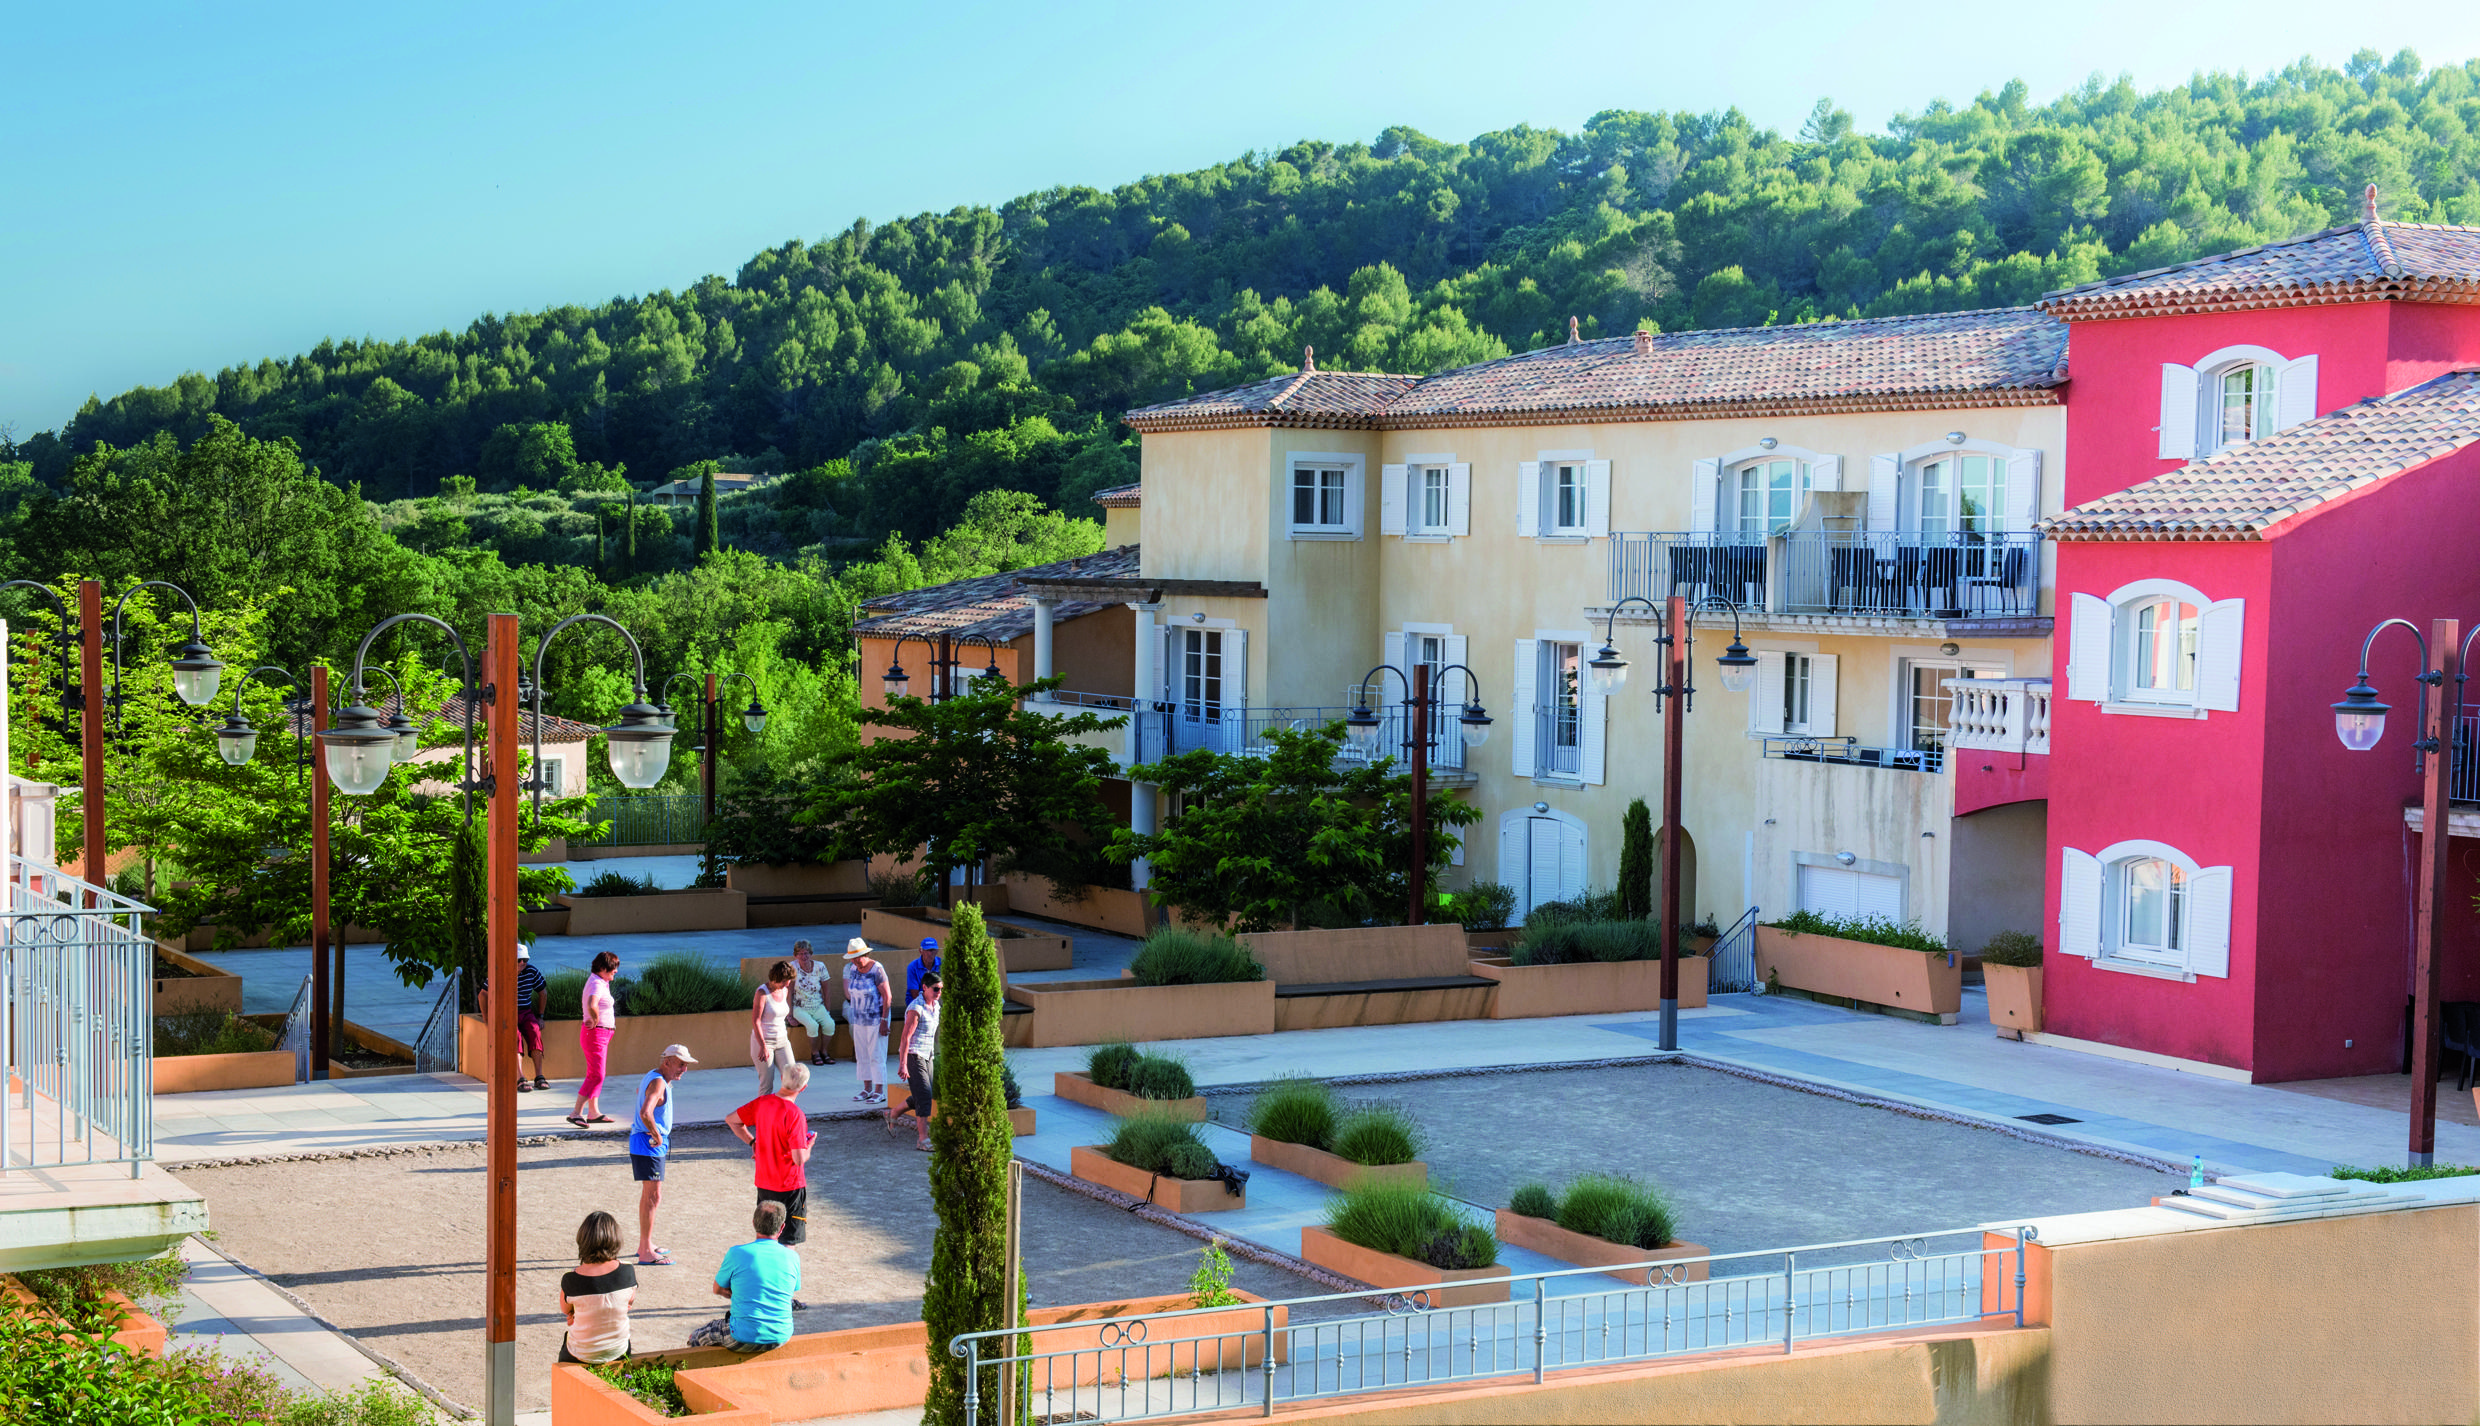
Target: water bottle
(2195, 1172)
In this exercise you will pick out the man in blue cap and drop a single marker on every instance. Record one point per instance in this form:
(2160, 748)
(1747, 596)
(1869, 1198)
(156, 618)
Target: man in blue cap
(923, 964)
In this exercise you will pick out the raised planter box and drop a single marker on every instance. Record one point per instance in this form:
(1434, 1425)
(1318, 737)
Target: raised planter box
(1588, 988)
(850, 878)
(1491, 942)
(206, 987)
(550, 921)
(1077, 1089)
(1446, 1287)
(702, 909)
(1180, 1195)
(1020, 1121)
(719, 1039)
(2014, 998)
(376, 1044)
(139, 1332)
(1332, 1170)
(1552, 1241)
(1093, 1012)
(193, 1074)
(1890, 976)
(1104, 908)
(1021, 948)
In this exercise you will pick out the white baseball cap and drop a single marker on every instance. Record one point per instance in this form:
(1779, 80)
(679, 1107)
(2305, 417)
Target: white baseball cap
(680, 1053)
(523, 953)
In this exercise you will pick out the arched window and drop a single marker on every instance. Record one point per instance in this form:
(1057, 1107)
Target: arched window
(2240, 404)
(2145, 906)
(2161, 632)
(1962, 494)
(2152, 905)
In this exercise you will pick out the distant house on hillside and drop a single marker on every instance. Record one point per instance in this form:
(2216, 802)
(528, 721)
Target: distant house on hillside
(685, 492)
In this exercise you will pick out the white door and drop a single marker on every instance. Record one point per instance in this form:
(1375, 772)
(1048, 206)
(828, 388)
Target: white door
(1848, 895)
(1554, 862)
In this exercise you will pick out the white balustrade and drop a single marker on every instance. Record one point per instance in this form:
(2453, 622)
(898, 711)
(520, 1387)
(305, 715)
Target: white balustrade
(2000, 714)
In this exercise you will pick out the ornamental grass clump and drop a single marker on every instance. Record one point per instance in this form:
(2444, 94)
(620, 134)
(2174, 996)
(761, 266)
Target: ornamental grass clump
(682, 982)
(1534, 1200)
(564, 993)
(1180, 955)
(1410, 1221)
(1107, 1064)
(1582, 942)
(209, 1032)
(1122, 1066)
(1151, 1140)
(619, 883)
(1617, 1209)
(1376, 1134)
(1294, 1110)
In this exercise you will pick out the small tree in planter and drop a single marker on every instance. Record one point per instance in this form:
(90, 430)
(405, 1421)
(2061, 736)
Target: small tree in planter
(2011, 969)
(1636, 862)
(971, 1142)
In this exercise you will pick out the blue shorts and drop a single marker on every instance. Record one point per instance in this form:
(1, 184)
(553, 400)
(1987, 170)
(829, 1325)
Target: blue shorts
(646, 1168)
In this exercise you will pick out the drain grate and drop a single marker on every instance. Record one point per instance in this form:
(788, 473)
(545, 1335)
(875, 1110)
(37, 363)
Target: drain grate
(2047, 1119)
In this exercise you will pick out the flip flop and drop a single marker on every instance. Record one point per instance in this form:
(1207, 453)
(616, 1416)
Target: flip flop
(662, 1259)
(602, 1119)
(573, 1119)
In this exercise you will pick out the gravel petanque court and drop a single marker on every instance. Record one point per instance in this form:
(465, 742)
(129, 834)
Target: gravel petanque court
(389, 1247)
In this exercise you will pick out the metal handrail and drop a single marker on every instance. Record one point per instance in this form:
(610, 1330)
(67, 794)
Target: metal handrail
(1733, 959)
(297, 1036)
(434, 1050)
(1802, 747)
(77, 1020)
(1182, 1362)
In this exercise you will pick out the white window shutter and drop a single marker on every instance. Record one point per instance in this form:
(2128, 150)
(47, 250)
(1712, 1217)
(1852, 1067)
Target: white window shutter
(1394, 654)
(1574, 870)
(1885, 488)
(1592, 737)
(2208, 922)
(2297, 392)
(1701, 494)
(1355, 499)
(2088, 650)
(1826, 473)
(1821, 671)
(1520, 709)
(1512, 853)
(1454, 646)
(1168, 661)
(2178, 411)
(1528, 498)
(1765, 699)
(1597, 497)
(1455, 854)
(2023, 491)
(2079, 904)
(2219, 637)
(1392, 497)
(1459, 498)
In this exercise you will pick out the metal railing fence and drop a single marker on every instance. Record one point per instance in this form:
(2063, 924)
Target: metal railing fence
(77, 1019)
(296, 1037)
(1734, 957)
(1196, 1360)
(1801, 747)
(1700, 564)
(649, 820)
(1906, 573)
(434, 1050)
(1243, 730)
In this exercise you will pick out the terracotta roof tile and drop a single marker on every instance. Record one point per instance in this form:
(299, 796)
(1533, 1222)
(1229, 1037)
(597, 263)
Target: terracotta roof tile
(2365, 262)
(989, 605)
(2242, 492)
(2013, 355)
(1120, 497)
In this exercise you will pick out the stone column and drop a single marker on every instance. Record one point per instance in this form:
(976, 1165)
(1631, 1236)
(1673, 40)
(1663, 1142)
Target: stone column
(1148, 688)
(1043, 605)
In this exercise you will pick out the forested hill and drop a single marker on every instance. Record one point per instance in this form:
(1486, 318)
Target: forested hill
(951, 352)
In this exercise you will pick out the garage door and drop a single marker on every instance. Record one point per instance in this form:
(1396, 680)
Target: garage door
(1849, 895)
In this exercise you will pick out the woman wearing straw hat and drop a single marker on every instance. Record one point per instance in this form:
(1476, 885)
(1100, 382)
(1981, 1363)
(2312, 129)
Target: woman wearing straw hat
(867, 998)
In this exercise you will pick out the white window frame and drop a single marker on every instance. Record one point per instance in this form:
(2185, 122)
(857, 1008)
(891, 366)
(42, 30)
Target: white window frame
(1404, 505)
(1540, 483)
(2101, 650)
(1895, 480)
(1354, 497)
(1735, 482)
(2117, 861)
(1532, 756)
(2092, 912)
(1714, 496)
(1910, 657)
(552, 773)
(2191, 399)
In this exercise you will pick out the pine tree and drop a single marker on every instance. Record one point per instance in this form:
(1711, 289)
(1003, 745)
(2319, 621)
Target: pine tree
(971, 1142)
(1636, 862)
(709, 522)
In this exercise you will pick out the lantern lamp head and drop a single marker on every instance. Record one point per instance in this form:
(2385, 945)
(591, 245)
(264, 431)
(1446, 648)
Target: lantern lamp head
(1476, 725)
(1608, 671)
(196, 673)
(236, 740)
(1362, 724)
(895, 680)
(2359, 719)
(1739, 667)
(640, 746)
(358, 751)
(754, 716)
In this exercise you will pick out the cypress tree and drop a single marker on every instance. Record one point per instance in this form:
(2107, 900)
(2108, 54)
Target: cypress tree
(1636, 862)
(970, 1145)
(628, 539)
(709, 523)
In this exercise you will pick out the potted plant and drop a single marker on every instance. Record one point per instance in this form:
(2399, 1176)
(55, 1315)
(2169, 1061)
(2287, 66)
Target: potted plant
(1121, 1079)
(1296, 1125)
(2011, 967)
(1866, 960)
(1020, 1114)
(1163, 1160)
(1577, 956)
(1602, 1220)
(1184, 984)
(1400, 1235)
(216, 1049)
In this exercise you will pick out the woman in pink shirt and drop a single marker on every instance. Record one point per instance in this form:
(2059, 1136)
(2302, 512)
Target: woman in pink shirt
(601, 1014)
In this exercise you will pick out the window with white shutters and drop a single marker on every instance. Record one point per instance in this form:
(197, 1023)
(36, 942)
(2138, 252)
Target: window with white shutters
(1565, 495)
(2156, 644)
(2233, 396)
(2146, 906)
(1428, 498)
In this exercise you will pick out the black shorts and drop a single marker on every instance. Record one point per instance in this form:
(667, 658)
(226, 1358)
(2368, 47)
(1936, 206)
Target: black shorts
(917, 1075)
(796, 1213)
(646, 1168)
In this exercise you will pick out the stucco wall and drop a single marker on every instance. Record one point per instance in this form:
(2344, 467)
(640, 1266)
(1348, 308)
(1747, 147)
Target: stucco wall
(1998, 875)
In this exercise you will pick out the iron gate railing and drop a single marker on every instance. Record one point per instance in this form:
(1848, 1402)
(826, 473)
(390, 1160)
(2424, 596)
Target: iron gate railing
(296, 1036)
(77, 1020)
(1166, 1364)
(434, 1050)
(650, 820)
(1734, 966)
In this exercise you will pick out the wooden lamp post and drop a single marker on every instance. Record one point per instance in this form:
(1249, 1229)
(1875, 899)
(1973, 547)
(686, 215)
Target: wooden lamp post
(1420, 697)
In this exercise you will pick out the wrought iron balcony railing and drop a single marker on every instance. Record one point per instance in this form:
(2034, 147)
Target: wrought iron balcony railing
(1798, 748)
(1855, 572)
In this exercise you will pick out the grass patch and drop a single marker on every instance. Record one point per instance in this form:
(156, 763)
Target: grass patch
(1294, 1110)
(1617, 1209)
(1410, 1222)
(651, 1382)
(1122, 1066)
(1876, 930)
(2012, 948)
(682, 982)
(1534, 1200)
(1376, 1134)
(1157, 1143)
(2389, 1174)
(1179, 955)
(209, 1032)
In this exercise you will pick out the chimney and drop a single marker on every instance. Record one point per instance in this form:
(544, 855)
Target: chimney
(1644, 342)
(2371, 215)
(1308, 358)
(1573, 336)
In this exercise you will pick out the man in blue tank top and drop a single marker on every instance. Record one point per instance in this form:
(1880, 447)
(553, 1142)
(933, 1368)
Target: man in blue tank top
(650, 1143)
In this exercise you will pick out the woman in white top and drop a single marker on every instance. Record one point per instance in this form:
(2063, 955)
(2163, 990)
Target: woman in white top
(596, 1297)
(770, 1043)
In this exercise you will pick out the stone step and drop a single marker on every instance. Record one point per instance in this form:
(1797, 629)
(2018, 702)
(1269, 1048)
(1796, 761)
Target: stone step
(2292, 1185)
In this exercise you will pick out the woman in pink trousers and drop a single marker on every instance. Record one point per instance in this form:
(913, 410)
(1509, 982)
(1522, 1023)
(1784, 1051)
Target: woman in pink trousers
(594, 1038)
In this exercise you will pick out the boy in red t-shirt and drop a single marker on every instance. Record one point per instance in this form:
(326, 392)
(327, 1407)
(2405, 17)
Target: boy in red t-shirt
(775, 1128)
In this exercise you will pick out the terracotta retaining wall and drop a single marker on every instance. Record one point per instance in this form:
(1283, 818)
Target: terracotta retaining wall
(1384, 1007)
(206, 987)
(1077, 1089)
(718, 1038)
(377, 1044)
(1021, 948)
(1093, 1012)
(1862, 970)
(1361, 953)
(138, 1332)
(1552, 1241)
(1180, 1195)
(1104, 908)
(1387, 1270)
(1333, 1170)
(704, 909)
(1594, 987)
(849, 878)
(192, 1074)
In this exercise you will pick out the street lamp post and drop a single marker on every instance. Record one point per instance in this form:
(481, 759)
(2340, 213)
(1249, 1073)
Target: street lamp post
(945, 659)
(710, 727)
(1420, 696)
(2359, 720)
(1673, 697)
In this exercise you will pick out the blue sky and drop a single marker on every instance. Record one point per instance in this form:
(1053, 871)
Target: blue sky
(191, 187)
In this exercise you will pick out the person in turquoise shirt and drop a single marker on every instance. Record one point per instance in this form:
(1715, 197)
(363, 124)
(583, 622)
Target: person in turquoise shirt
(759, 1277)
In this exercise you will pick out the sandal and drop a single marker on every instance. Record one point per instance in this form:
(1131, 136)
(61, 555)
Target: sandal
(602, 1119)
(923, 1145)
(662, 1259)
(573, 1119)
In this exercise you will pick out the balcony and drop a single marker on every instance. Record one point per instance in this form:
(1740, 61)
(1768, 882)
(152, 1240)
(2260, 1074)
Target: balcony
(1999, 730)
(1867, 576)
(1243, 731)
(1848, 751)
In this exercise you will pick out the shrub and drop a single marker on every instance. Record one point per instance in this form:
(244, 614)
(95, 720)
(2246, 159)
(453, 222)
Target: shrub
(683, 982)
(1608, 1206)
(1146, 1141)
(649, 1381)
(1160, 1077)
(1294, 1110)
(1108, 1065)
(1179, 955)
(2389, 1174)
(2012, 948)
(1377, 1134)
(1635, 889)
(1190, 1159)
(1874, 929)
(564, 993)
(1587, 905)
(1411, 1222)
(1210, 1285)
(1483, 906)
(897, 888)
(154, 1283)
(1007, 1083)
(618, 883)
(209, 1032)
(1534, 1200)
(1579, 942)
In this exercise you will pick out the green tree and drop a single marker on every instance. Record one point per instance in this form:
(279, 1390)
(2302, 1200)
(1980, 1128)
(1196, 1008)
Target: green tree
(709, 528)
(1297, 835)
(628, 539)
(972, 779)
(970, 1146)
(1636, 862)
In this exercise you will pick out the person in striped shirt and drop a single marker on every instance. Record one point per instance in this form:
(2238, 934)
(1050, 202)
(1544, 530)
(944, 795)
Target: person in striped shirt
(530, 988)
